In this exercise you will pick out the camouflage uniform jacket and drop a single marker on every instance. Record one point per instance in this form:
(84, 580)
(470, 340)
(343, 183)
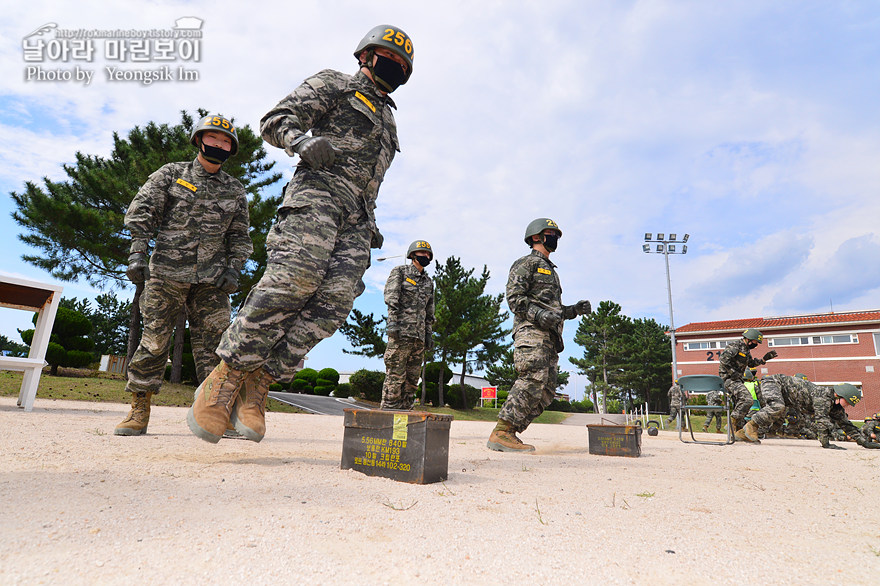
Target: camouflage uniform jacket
(409, 294)
(200, 222)
(534, 284)
(871, 426)
(814, 401)
(674, 394)
(358, 122)
(735, 359)
(714, 398)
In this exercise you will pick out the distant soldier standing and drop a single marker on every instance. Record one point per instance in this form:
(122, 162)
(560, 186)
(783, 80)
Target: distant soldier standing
(319, 247)
(675, 400)
(409, 295)
(534, 295)
(715, 399)
(734, 361)
(198, 215)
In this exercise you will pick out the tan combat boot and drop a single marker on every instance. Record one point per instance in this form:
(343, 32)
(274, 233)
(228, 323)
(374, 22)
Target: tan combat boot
(749, 433)
(249, 411)
(503, 439)
(135, 423)
(209, 415)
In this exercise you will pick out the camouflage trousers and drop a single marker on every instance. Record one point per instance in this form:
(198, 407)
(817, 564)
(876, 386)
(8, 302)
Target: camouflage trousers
(717, 416)
(773, 406)
(162, 300)
(535, 386)
(403, 365)
(674, 411)
(741, 397)
(317, 254)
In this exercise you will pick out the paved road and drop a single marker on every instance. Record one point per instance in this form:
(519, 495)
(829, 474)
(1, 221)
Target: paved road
(317, 404)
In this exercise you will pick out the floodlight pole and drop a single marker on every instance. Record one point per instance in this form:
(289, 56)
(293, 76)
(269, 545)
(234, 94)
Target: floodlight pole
(663, 247)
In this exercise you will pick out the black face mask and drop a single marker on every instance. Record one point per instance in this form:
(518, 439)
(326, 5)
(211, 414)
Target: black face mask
(214, 154)
(423, 260)
(753, 345)
(550, 241)
(388, 74)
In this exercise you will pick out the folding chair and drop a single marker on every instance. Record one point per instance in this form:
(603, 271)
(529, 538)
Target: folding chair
(703, 383)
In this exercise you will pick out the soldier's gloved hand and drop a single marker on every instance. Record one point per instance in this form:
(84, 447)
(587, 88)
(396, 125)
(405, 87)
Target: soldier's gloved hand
(831, 446)
(138, 270)
(228, 281)
(583, 307)
(548, 319)
(770, 355)
(377, 239)
(317, 151)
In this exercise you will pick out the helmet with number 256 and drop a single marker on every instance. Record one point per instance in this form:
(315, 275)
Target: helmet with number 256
(392, 38)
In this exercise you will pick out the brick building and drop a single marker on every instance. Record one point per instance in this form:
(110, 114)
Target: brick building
(829, 348)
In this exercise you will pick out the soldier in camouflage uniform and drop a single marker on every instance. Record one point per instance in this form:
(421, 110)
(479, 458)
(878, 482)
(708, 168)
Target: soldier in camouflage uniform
(735, 359)
(820, 403)
(534, 295)
(409, 294)
(319, 247)
(675, 395)
(198, 215)
(713, 398)
(770, 409)
(871, 428)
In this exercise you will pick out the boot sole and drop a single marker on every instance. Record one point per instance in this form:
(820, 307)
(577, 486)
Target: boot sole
(502, 448)
(197, 429)
(128, 431)
(247, 432)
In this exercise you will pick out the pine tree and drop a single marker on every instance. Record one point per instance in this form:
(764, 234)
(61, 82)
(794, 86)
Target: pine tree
(77, 224)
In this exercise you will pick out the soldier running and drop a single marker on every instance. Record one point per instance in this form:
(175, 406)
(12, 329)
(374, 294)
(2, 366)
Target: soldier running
(319, 247)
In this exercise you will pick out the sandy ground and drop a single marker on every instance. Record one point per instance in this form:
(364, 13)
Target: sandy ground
(82, 506)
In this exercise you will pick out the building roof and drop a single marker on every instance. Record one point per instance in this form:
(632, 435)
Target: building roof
(794, 321)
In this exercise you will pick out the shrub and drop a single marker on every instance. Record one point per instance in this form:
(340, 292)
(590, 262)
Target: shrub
(558, 405)
(326, 381)
(613, 406)
(584, 406)
(453, 396)
(276, 387)
(300, 385)
(342, 390)
(367, 384)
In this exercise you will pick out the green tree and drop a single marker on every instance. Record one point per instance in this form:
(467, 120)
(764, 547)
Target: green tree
(502, 374)
(602, 334)
(10, 348)
(468, 329)
(69, 344)
(77, 227)
(364, 333)
(646, 370)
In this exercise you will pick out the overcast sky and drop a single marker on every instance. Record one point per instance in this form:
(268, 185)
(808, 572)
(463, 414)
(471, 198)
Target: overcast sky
(751, 125)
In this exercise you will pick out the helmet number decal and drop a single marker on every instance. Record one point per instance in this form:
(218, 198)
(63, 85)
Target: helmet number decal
(221, 122)
(423, 244)
(398, 38)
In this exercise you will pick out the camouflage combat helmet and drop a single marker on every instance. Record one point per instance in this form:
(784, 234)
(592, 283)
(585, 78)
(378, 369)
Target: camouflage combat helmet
(749, 374)
(217, 124)
(848, 393)
(754, 335)
(537, 226)
(392, 38)
(419, 245)
(801, 375)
